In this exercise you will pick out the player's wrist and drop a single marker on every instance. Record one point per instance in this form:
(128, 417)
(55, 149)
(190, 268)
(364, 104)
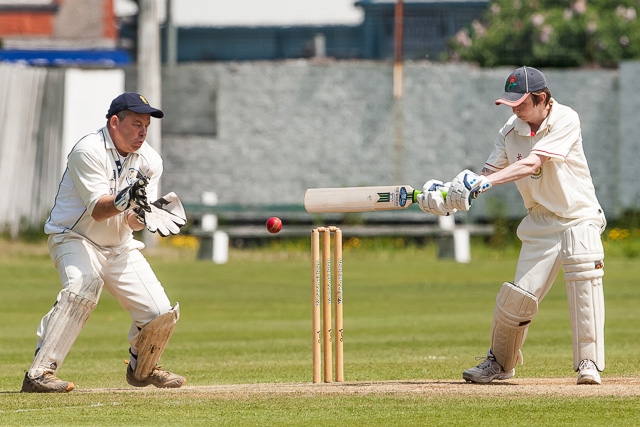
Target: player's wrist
(135, 222)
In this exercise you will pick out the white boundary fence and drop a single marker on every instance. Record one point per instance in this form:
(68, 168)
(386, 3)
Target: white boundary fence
(24, 167)
(44, 111)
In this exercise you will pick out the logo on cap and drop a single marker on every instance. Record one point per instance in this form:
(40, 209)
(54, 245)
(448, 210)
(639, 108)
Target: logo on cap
(511, 83)
(144, 100)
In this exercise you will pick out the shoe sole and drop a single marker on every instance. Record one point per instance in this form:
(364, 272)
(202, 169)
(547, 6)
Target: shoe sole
(586, 379)
(588, 382)
(135, 383)
(69, 388)
(487, 380)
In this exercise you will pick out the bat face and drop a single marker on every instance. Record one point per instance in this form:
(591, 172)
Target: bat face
(359, 199)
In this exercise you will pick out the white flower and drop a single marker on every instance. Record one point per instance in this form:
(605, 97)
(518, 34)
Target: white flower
(462, 38)
(626, 14)
(631, 14)
(537, 19)
(580, 6)
(567, 14)
(478, 28)
(545, 35)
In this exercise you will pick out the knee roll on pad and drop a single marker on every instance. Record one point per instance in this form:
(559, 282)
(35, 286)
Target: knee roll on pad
(515, 309)
(152, 340)
(70, 313)
(582, 257)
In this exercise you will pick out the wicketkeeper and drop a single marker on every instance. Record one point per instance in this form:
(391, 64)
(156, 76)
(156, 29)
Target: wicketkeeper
(104, 196)
(540, 149)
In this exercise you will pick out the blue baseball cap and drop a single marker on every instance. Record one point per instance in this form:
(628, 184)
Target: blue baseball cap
(520, 84)
(134, 102)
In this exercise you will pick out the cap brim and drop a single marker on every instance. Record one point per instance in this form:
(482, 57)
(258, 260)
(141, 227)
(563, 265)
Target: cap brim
(146, 109)
(512, 99)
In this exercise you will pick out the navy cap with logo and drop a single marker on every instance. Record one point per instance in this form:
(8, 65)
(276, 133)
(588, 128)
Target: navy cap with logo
(134, 102)
(520, 84)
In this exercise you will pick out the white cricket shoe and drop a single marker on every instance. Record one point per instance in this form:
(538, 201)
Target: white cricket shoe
(588, 373)
(487, 371)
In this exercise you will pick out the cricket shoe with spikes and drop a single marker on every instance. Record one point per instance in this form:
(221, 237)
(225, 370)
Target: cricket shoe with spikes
(45, 383)
(487, 371)
(588, 373)
(158, 377)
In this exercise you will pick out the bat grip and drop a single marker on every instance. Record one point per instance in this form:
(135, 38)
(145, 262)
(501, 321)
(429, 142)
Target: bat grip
(416, 193)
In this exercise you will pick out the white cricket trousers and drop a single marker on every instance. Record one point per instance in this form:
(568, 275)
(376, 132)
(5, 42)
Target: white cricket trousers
(126, 274)
(541, 234)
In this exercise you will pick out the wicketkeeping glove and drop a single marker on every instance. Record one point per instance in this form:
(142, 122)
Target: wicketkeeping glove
(432, 199)
(165, 216)
(133, 196)
(465, 187)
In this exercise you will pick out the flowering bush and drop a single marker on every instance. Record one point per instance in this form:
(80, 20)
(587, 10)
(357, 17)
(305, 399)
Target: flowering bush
(552, 33)
(622, 241)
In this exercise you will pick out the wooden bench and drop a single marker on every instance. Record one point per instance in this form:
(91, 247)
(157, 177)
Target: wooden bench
(223, 223)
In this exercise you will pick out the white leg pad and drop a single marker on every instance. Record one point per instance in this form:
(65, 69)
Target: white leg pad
(582, 261)
(152, 340)
(515, 309)
(69, 314)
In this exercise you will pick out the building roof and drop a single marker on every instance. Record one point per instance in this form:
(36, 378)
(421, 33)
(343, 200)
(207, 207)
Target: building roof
(254, 12)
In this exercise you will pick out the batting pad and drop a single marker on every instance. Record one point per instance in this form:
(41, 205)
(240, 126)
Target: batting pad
(67, 319)
(152, 340)
(582, 258)
(515, 309)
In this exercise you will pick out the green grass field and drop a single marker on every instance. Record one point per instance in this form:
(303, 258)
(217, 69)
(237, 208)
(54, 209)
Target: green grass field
(413, 322)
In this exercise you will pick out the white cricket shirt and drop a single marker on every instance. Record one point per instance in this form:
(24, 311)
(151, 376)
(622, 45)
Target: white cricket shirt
(92, 172)
(563, 184)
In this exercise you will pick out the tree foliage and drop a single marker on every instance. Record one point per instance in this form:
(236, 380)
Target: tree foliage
(552, 33)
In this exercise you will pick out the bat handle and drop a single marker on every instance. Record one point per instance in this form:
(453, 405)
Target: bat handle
(444, 193)
(416, 193)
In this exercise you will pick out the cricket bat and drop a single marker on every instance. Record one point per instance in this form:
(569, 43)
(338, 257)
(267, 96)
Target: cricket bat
(360, 199)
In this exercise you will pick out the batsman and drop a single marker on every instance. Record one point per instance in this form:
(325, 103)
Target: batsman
(104, 196)
(540, 149)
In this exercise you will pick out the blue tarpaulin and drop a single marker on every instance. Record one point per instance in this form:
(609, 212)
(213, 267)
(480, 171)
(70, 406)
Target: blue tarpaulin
(55, 57)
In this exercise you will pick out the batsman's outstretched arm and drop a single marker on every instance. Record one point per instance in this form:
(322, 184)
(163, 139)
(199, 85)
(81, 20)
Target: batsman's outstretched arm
(515, 171)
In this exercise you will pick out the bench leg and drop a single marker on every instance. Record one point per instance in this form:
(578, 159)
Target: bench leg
(214, 247)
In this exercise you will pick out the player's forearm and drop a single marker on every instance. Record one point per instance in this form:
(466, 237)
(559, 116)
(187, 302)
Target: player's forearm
(104, 209)
(515, 171)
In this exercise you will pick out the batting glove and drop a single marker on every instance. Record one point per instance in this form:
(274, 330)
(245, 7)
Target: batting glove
(465, 187)
(432, 198)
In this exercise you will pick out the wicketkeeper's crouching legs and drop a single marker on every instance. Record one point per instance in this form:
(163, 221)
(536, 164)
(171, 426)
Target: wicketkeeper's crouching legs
(63, 325)
(147, 347)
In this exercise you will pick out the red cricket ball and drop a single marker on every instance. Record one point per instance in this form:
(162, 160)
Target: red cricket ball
(274, 225)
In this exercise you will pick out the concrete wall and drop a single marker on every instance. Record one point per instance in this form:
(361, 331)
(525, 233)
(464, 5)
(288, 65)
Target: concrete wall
(262, 133)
